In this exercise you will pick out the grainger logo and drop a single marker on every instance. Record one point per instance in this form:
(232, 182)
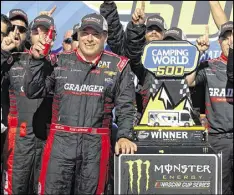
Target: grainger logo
(141, 167)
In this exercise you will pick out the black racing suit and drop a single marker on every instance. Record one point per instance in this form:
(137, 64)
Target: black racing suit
(230, 66)
(130, 44)
(118, 39)
(212, 75)
(116, 35)
(22, 149)
(78, 144)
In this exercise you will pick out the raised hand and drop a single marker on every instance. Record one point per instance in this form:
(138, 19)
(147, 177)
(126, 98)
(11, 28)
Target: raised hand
(138, 17)
(48, 13)
(203, 42)
(38, 47)
(9, 42)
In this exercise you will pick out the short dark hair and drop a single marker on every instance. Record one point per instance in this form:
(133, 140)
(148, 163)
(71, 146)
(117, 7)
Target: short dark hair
(225, 34)
(6, 21)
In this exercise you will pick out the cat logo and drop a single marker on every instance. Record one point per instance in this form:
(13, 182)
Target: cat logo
(182, 14)
(139, 176)
(110, 73)
(103, 64)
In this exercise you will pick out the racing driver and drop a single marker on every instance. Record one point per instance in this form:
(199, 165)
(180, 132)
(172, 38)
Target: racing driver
(87, 85)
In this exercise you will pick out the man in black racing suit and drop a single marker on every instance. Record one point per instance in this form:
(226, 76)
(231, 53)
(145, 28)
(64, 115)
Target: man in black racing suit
(27, 122)
(212, 75)
(87, 84)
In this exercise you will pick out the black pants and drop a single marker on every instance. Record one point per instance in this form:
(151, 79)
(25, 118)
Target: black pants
(37, 163)
(224, 143)
(21, 163)
(18, 161)
(70, 153)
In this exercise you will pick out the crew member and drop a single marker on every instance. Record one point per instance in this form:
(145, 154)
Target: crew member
(26, 118)
(219, 104)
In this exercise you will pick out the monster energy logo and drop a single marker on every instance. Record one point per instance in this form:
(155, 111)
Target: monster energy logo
(139, 173)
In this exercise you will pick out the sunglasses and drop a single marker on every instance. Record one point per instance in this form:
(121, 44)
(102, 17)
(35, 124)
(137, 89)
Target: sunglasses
(75, 37)
(21, 29)
(68, 40)
(152, 28)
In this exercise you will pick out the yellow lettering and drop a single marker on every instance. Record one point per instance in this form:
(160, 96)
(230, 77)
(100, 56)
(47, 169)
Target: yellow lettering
(186, 17)
(170, 70)
(165, 10)
(160, 71)
(164, 177)
(124, 7)
(168, 12)
(179, 70)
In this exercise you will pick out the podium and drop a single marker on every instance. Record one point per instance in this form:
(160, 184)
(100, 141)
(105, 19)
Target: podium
(169, 167)
(173, 156)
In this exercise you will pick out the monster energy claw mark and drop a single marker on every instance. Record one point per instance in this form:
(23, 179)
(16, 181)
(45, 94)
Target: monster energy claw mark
(139, 173)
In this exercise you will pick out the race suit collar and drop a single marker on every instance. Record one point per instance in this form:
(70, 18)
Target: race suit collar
(95, 61)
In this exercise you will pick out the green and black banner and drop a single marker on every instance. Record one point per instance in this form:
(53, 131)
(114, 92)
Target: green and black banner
(167, 174)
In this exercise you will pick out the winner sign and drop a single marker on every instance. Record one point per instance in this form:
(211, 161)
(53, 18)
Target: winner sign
(170, 58)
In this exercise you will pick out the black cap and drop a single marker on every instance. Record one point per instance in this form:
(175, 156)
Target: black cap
(156, 20)
(95, 21)
(175, 33)
(18, 13)
(75, 31)
(228, 26)
(43, 20)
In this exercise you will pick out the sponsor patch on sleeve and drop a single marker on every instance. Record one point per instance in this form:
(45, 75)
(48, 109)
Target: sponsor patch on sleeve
(123, 62)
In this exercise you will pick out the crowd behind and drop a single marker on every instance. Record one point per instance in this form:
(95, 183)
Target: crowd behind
(57, 108)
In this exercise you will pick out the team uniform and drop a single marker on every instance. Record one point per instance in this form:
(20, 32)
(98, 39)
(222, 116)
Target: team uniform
(219, 111)
(78, 145)
(26, 119)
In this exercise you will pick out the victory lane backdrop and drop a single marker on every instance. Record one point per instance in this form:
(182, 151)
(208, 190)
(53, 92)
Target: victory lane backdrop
(190, 16)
